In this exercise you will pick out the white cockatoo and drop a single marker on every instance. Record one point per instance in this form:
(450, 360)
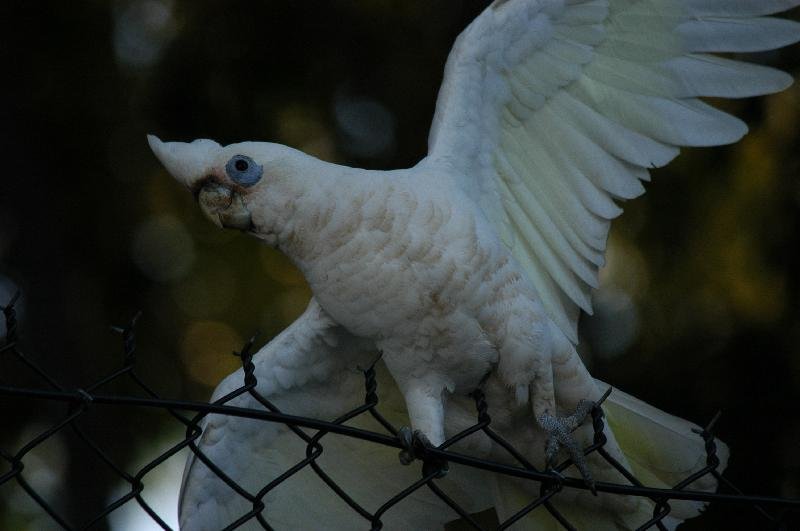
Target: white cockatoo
(471, 268)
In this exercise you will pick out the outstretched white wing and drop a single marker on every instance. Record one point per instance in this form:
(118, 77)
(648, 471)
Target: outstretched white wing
(553, 109)
(310, 369)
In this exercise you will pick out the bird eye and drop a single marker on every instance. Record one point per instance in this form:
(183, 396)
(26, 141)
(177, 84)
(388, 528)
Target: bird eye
(243, 170)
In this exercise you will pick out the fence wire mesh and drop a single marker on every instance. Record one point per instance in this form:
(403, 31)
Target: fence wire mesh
(774, 512)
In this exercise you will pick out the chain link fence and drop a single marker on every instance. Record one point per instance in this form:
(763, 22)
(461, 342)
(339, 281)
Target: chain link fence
(774, 512)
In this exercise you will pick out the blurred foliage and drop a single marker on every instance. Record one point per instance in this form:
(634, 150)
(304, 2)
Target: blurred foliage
(698, 309)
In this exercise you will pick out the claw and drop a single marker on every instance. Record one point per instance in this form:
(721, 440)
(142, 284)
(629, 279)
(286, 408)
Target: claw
(407, 439)
(413, 443)
(559, 434)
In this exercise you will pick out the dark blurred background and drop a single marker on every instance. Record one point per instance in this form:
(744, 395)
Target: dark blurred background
(698, 310)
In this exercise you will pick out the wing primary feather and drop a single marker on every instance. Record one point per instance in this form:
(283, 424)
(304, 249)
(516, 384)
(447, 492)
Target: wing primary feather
(582, 221)
(553, 267)
(620, 141)
(738, 34)
(606, 171)
(597, 200)
(738, 8)
(681, 122)
(707, 75)
(555, 301)
(536, 219)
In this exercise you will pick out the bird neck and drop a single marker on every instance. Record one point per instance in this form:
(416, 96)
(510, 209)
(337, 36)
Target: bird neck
(323, 209)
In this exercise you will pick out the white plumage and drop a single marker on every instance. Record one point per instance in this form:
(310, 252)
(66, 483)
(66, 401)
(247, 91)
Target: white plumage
(478, 260)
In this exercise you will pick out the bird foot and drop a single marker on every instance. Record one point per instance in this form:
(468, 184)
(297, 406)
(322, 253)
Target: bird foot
(559, 434)
(415, 443)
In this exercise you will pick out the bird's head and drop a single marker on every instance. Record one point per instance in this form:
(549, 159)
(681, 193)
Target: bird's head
(237, 186)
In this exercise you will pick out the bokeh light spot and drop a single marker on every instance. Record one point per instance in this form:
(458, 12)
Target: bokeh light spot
(141, 29)
(278, 266)
(366, 126)
(206, 351)
(45, 471)
(301, 127)
(292, 303)
(209, 291)
(163, 249)
(615, 324)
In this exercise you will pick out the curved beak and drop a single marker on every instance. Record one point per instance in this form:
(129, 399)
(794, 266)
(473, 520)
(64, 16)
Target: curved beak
(186, 162)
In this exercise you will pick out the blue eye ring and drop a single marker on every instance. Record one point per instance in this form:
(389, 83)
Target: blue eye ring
(243, 170)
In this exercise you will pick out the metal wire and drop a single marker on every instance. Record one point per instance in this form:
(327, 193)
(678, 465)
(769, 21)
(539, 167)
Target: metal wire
(435, 460)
